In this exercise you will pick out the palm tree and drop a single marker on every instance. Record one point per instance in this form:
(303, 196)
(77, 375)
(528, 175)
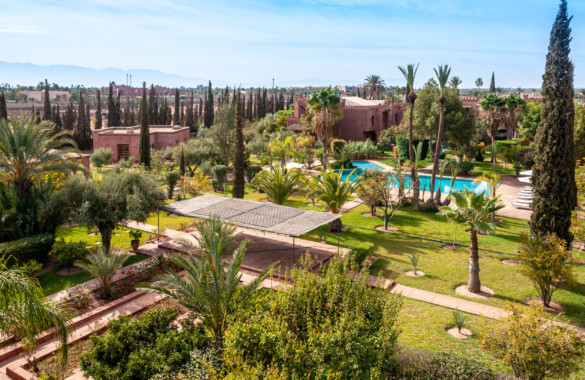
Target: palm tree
(28, 150)
(442, 72)
(493, 181)
(25, 313)
(473, 211)
(333, 191)
(213, 236)
(409, 74)
(102, 265)
(374, 83)
(282, 147)
(495, 106)
(278, 183)
(455, 82)
(479, 83)
(326, 105)
(515, 107)
(209, 288)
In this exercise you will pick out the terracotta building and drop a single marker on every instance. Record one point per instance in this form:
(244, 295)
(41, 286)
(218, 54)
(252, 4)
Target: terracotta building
(362, 119)
(125, 141)
(39, 96)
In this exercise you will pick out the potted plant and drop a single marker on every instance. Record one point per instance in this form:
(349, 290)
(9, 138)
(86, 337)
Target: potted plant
(135, 242)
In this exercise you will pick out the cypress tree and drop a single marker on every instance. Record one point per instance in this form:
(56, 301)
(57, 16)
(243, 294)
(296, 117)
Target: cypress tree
(69, 117)
(209, 109)
(56, 119)
(182, 163)
(249, 111)
(118, 111)
(239, 158)
(127, 111)
(78, 130)
(98, 111)
(553, 173)
(190, 115)
(492, 89)
(176, 116)
(111, 107)
(153, 106)
(200, 107)
(144, 148)
(47, 114)
(3, 109)
(182, 116)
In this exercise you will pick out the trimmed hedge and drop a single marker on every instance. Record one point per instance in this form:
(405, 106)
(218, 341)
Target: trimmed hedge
(29, 248)
(403, 151)
(503, 145)
(465, 167)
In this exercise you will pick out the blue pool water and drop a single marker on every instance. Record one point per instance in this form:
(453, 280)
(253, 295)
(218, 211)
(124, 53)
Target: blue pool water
(425, 180)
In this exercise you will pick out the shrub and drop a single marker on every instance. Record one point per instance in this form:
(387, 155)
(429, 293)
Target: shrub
(172, 178)
(19, 252)
(135, 234)
(459, 319)
(337, 146)
(251, 172)
(197, 184)
(526, 157)
(360, 149)
(387, 137)
(534, 346)
(126, 164)
(324, 327)
(344, 162)
(214, 183)
(465, 167)
(101, 157)
(421, 364)
(220, 172)
(403, 149)
(142, 348)
(205, 169)
(69, 252)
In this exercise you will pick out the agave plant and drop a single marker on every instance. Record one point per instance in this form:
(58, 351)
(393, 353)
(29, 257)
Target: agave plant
(278, 183)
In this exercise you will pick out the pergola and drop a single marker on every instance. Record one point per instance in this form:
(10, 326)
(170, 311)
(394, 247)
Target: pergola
(284, 220)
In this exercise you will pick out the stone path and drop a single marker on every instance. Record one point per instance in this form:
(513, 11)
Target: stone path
(351, 204)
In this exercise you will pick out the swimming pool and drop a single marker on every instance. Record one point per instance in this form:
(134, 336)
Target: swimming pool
(425, 180)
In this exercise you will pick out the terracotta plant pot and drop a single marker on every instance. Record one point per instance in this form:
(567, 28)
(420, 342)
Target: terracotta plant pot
(134, 244)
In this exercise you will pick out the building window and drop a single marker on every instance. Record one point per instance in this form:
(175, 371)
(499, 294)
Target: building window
(122, 151)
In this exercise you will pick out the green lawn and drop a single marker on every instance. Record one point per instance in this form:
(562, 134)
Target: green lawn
(52, 282)
(446, 269)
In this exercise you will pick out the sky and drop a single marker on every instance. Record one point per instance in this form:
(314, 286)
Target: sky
(295, 42)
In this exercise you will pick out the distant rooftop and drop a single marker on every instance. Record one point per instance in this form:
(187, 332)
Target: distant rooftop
(354, 101)
(136, 129)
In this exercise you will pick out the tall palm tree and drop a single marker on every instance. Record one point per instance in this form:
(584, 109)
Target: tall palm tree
(278, 183)
(102, 265)
(374, 83)
(495, 106)
(473, 211)
(327, 110)
(25, 313)
(442, 72)
(28, 150)
(210, 288)
(409, 73)
(455, 82)
(479, 83)
(515, 107)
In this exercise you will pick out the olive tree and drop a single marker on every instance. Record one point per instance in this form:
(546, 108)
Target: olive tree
(111, 201)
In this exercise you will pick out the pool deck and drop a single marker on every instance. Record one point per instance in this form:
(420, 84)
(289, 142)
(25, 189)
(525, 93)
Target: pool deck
(507, 190)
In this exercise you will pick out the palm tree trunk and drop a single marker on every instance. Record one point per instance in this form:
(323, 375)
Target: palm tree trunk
(437, 143)
(324, 156)
(413, 176)
(106, 238)
(474, 284)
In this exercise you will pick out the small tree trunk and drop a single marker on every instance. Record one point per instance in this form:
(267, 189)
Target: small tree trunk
(474, 284)
(106, 238)
(324, 156)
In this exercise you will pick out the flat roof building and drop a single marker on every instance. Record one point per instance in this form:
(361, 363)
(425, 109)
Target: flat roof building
(125, 141)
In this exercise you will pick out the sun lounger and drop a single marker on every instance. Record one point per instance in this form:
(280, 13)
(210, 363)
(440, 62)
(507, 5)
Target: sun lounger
(523, 201)
(521, 205)
(526, 193)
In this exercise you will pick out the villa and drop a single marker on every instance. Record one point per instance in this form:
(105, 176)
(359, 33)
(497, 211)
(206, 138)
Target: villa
(125, 141)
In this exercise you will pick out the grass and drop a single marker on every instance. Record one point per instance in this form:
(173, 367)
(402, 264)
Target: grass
(52, 282)
(422, 326)
(446, 269)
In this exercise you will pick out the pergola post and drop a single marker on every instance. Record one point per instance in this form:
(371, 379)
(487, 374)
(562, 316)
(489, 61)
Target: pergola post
(158, 226)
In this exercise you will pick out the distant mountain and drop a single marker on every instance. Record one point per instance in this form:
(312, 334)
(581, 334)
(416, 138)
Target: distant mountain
(29, 74)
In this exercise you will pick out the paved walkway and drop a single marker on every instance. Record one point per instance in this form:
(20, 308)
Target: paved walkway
(351, 204)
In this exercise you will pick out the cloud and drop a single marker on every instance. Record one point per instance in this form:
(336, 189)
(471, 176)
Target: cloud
(21, 30)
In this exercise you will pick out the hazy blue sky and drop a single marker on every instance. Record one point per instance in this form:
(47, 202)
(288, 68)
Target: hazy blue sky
(295, 42)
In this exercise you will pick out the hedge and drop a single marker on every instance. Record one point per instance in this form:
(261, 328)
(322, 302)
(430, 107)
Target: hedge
(403, 150)
(29, 248)
(503, 145)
